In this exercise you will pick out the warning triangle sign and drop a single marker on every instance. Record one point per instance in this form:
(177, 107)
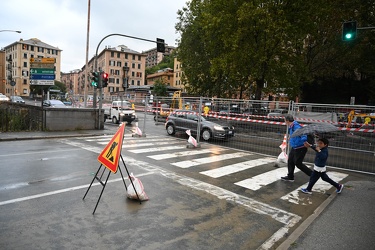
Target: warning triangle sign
(110, 155)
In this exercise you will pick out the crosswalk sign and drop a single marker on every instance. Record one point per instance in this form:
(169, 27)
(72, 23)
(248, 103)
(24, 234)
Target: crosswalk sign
(110, 155)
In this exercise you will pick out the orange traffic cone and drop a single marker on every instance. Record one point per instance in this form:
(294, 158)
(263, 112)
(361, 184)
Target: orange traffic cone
(283, 145)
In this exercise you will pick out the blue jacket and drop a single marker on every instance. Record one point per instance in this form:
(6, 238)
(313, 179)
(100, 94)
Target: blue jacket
(320, 157)
(296, 142)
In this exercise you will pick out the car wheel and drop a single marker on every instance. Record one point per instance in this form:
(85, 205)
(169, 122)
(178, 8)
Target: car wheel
(170, 129)
(114, 120)
(206, 134)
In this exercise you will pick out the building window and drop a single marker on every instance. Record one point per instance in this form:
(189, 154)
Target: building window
(25, 64)
(126, 55)
(139, 66)
(138, 83)
(133, 57)
(118, 54)
(24, 81)
(40, 49)
(25, 55)
(133, 65)
(139, 58)
(118, 64)
(133, 82)
(117, 81)
(112, 54)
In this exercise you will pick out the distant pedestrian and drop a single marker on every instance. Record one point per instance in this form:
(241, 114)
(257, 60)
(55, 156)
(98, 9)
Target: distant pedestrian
(320, 170)
(297, 150)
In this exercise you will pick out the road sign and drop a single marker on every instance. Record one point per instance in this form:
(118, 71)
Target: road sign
(42, 82)
(43, 60)
(42, 65)
(111, 153)
(42, 77)
(42, 71)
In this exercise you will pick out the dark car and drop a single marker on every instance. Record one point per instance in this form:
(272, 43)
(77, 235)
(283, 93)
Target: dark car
(54, 104)
(182, 120)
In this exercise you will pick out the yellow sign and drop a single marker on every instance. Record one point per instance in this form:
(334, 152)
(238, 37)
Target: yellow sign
(110, 155)
(42, 60)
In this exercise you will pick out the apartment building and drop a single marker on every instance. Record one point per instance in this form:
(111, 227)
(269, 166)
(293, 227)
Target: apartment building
(178, 72)
(122, 64)
(17, 64)
(71, 82)
(154, 58)
(164, 76)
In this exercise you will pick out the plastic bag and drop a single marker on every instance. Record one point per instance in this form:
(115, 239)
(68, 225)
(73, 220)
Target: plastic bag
(191, 139)
(283, 157)
(138, 187)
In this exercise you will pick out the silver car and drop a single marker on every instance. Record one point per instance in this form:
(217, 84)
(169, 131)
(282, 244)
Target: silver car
(183, 120)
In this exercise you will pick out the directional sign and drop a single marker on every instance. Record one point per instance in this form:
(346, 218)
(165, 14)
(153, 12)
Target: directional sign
(111, 153)
(43, 60)
(42, 82)
(42, 77)
(42, 65)
(42, 71)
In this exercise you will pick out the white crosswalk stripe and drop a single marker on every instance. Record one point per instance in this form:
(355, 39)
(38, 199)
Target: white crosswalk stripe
(233, 168)
(156, 149)
(264, 179)
(320, 186)
(215, 154)
(185, 153)
(214, 158)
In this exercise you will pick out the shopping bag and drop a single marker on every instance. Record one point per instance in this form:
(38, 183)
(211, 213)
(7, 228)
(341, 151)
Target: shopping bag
(138, 187)
(283, 157)
(191, 139)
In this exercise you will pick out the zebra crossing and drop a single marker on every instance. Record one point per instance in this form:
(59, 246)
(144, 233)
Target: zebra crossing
(175, 152)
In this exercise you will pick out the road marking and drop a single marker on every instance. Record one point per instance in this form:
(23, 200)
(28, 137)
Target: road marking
(261, 180)
(186, 153)
(31, 197)
(297, 197)
(288, 219)
(234, 168)
(146, 144)
(148, 150)
(210, 159)
(44, 152)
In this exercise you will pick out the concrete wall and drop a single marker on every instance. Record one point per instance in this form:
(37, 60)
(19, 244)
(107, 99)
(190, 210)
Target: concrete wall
(71, 119)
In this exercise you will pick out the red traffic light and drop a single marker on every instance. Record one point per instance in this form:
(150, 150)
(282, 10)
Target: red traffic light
(105, 75)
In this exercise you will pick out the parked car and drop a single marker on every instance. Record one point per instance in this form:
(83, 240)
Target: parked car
(3, 98)
(182, 120)
(54, 104)
(17, 99)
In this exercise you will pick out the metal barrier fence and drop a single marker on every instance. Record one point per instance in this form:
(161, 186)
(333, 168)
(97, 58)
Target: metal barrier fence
(259, 125)
(20, 117)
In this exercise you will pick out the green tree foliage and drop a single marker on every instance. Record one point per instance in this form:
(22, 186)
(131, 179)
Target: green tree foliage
(160, 88)
(250, 48)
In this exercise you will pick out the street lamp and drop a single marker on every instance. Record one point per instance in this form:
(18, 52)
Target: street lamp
(18, 31)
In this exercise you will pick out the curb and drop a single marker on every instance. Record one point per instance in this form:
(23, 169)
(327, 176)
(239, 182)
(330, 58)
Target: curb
(305, 224)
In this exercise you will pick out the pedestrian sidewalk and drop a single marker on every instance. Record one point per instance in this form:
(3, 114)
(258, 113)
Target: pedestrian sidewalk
(343, 221)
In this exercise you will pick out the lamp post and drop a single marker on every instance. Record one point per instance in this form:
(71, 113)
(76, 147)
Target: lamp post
(17, 31)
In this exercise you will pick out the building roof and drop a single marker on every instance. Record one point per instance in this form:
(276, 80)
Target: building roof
(35, 42)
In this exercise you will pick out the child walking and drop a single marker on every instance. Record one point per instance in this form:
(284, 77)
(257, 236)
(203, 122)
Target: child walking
(320, 170)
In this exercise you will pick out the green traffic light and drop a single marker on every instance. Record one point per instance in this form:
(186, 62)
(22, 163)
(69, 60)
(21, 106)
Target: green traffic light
(348, 36)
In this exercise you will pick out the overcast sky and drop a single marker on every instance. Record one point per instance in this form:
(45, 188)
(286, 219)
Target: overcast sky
(63, 24)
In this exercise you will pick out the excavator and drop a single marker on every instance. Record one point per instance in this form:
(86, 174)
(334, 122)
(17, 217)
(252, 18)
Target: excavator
(353, 114)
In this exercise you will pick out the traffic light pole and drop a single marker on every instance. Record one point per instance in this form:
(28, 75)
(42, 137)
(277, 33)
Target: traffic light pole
(158, 42)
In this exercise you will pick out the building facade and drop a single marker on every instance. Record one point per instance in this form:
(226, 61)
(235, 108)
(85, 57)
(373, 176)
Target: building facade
(154, 58)
(18, 55)
(125, 67)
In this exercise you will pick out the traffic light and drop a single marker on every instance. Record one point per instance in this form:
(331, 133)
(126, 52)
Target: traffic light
(105, 79)
(160, 45)
(349, 30)
(95, 79)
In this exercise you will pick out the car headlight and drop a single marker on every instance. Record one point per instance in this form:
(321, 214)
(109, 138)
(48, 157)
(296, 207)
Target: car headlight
(219, 128)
